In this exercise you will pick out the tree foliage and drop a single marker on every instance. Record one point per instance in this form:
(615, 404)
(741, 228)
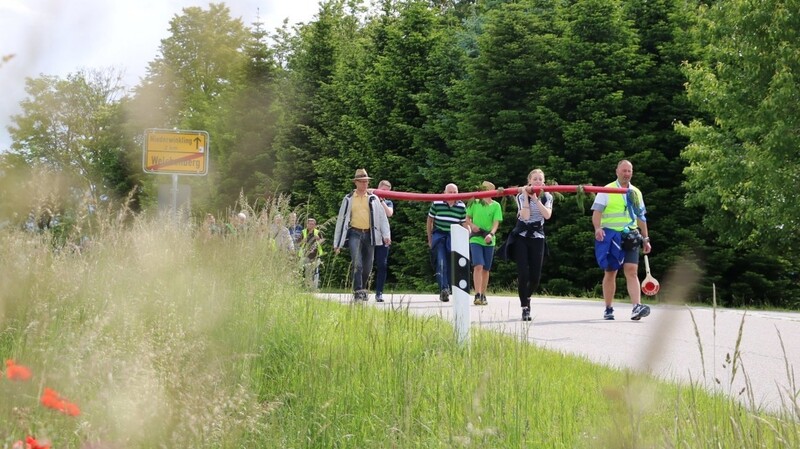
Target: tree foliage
(76, 126)
(196, 82)
(200, 60)
(246, 127)
(427, 92)
(743, 158)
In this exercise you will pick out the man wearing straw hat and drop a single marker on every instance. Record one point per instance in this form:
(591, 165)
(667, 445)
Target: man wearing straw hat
(361, 223)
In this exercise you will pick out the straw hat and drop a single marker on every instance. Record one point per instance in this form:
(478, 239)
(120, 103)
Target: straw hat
(361, 174)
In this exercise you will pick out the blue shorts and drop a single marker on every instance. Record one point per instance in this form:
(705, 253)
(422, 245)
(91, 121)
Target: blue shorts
(481, 255)
(631, 256)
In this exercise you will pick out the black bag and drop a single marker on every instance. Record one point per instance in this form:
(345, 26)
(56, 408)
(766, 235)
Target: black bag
(632, 239)
(505, 251)
(479, 233)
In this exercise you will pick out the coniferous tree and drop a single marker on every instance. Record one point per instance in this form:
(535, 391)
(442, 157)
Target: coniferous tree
(312, 66)
(248, 126)
(504, 118)
(675, 233)
(412, 61)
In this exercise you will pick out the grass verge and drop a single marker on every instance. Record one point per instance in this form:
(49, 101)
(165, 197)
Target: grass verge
(167, 340)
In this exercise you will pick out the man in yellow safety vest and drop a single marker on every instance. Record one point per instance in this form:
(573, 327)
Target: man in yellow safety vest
(311, 251)
(620, 229)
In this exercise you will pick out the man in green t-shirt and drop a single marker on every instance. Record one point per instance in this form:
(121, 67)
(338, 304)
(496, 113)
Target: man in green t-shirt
(483, 219)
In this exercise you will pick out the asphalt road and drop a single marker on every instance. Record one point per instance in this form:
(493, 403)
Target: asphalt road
(667, 343)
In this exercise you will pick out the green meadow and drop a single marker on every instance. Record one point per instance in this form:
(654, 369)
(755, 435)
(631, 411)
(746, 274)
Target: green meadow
(165, 338)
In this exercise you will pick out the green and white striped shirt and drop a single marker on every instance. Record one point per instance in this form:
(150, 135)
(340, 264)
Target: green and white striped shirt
(445, 215)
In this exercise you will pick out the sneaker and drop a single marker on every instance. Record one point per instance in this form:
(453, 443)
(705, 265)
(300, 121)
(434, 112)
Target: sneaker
(526, 314)
(444, 296)
(378, 297)
(477, 301)
(640, 311)
(609, 314)
(484, 302)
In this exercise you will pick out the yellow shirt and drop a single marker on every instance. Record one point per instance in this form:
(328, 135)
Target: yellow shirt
(359, 214)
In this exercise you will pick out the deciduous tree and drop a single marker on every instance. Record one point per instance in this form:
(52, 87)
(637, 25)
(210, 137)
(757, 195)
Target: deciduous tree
(76, 126)
(743, 163)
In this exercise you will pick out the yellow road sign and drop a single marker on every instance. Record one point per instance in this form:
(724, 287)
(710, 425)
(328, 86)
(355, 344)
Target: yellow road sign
(175, 152)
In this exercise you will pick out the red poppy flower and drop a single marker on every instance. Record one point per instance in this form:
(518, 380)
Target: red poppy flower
(33, 444)
(53, 400)
(30, 443)
(17, 372)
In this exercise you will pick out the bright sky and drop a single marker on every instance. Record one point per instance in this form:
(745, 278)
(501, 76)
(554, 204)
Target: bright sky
(58, 37)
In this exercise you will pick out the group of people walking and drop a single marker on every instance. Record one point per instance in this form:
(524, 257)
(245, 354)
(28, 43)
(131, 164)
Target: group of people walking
(525, 244)
(619, 222)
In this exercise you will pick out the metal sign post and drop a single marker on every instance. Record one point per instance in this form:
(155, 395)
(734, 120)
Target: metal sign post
(175, 152)
(174, 196)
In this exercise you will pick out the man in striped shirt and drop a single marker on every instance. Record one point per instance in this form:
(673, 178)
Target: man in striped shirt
(442, 215)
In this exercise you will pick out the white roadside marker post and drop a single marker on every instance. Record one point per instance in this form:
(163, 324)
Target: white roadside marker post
(459, 281)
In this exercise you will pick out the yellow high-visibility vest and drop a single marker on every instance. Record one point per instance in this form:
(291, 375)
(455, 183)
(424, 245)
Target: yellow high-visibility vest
(618, 214)
(316, 242)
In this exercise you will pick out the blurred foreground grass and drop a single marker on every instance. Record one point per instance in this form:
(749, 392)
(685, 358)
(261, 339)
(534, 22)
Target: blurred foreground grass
(167, 339)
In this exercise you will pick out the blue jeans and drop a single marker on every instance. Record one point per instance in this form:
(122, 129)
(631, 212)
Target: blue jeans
(440, 246)
(381, 262)
(361, 253)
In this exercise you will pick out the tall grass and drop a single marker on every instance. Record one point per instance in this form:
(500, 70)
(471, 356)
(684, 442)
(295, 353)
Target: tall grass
(168, 340)
(147, 330)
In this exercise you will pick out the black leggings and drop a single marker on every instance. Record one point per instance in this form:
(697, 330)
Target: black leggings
(529, 255)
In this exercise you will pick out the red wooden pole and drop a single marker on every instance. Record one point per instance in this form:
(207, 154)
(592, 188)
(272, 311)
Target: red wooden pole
(413, 196)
